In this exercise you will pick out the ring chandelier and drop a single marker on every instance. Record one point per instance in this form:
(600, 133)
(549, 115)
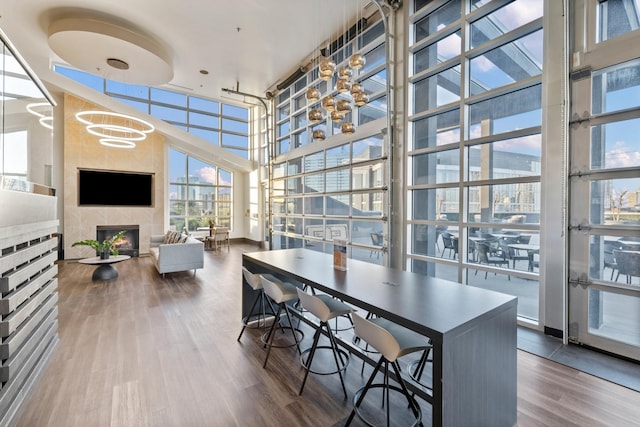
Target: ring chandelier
(123, 134)
(45, 120)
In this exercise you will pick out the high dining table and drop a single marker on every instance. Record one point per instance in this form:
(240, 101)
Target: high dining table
(473, 330)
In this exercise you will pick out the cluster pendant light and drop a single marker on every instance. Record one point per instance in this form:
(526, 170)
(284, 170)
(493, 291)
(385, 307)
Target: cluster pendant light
(337, 109)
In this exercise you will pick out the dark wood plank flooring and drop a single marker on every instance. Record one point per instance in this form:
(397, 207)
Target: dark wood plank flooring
(145, 351)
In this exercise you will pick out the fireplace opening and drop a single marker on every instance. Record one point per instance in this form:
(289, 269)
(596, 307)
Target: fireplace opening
(128, 244)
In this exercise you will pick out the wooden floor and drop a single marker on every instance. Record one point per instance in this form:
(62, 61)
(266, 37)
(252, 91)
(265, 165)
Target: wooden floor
(146, 351)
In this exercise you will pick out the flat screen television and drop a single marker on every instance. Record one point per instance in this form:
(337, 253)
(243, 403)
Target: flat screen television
(114, 188)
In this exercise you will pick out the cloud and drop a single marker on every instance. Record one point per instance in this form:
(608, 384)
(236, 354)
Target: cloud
(622, 156)
(206, 174)
(525, 144)
(520, 12)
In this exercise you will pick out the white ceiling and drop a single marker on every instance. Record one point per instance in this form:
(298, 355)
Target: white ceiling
(246, 45)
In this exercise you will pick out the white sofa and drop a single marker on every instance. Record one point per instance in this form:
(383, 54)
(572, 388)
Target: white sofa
(170, 257)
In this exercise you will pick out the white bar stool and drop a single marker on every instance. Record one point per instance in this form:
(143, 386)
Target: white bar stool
(254, 282)
(392, 341)
(280, 293)
(325, 308)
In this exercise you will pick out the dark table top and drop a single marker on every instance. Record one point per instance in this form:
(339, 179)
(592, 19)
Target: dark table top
(433, 307)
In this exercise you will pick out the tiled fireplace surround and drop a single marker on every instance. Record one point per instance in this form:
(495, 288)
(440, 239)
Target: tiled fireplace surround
(83, 150)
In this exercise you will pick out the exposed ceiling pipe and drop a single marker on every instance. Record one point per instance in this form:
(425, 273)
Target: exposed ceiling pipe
(269, 151)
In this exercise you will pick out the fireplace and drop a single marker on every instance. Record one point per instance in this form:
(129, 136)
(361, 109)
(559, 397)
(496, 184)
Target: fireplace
(128, 244)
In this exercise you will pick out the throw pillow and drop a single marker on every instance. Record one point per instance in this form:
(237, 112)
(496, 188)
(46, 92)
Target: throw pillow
(183, 238)
(167, 236)
(172, 237)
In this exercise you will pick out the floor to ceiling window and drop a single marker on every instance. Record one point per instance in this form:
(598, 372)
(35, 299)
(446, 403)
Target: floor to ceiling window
(604, 244)
(334, 188)
(200, 194)
(221, 124)
(474, 149)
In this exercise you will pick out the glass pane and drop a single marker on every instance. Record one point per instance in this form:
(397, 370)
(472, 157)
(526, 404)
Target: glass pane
(505, 19)
(613, 258)
(438, 52)
(507, 64)
(234, 111)
(432, 204)
(134, 91)
(314, 162)
(367, 204)
(167, 97)
(142, 106)
(294, 166)
(338, 156)
(368, 176)
(437, 130)
(225, 177)
(300, 139)
(169, 114)
(373, 256)
(177, 166)
(284, 95)
(367, 149)
(205, 120)
(205, 105)
(94, 82)
(437, 90)
(338, 204)
(14, 152)
(505, 159)
(615, 201)
(614, 316)
(432, 269)
(278, 206)
(279, 170)
(283, 111)
(617, 17)
(204, 210)
(300, 120)
(314, 183)
(505, 203)
(294, 185)
(314, 206)
(373, 110)
(208, 135)
(437, 167)
(300, 102)
(283, 129)
(338, 180)
(236, 141)
(513, 111)
(500, 281)
(437, 20)
(300, 84)
(615, 145)
(294, 206)
(283, 146)
(426, 240)
(376, 83)
(361, 232)
(616, 88)
(177, 192)
(201, 172)
(230, 125)
(372, 33)
(374, 58)
(177, 208)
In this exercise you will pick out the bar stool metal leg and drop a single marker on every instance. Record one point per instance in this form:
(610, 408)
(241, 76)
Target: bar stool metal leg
(325, 308)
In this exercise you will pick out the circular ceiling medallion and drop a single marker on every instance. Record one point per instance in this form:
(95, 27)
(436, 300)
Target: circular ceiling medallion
(110, 51)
